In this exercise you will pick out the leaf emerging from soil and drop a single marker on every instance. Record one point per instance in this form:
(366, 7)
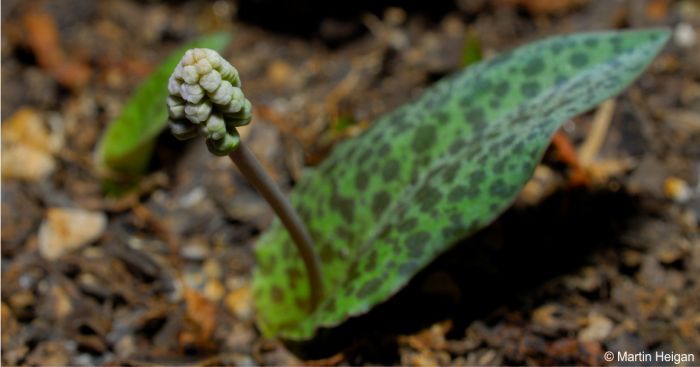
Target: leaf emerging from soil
(125, 147)
(382, 206)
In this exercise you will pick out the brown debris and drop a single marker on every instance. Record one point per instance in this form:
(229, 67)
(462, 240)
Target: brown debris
(43, 39)
(202, 314)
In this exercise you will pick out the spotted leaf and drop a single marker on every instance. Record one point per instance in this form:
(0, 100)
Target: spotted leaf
(383, 205)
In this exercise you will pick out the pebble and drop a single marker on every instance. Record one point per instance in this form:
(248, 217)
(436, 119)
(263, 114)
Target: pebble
(125, 347)
(599, 327)
(193, 280)
(694, 261)
(547, 316)
(589, 281)
(214, 290)
(27, 146)
(631, 258)
(194, 197)
(677, 189)
(651, 274)
(23, 162)
(67, 229)
(279, 72)
(49, 353)
(239, 303)
(212, 269)
(240, 338)
(684, 35)
(62, 305)
(195, 250)
(22, 303)
(670, 254)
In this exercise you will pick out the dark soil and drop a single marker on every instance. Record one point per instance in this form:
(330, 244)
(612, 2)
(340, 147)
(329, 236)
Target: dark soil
(574, 269)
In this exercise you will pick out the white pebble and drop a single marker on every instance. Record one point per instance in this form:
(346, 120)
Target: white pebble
(67, 229)
(685, 35)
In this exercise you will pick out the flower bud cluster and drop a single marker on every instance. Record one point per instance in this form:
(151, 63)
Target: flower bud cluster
(205, 98)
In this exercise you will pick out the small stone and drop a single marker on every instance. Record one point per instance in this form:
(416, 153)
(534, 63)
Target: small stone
(60, 301)
(27, 146)
(20, 161)
(14, 348)
(195, 250)
(689, 218)
(212, 269)
(193, 280)
(22, 303)
(631, 258)
(651, 273)
(49, 353)
(684, 35)
(546, 316)
(599, 327)
(125, 347)
(670, 254)
(240, 303)
(26, 127)
(694, 262)
(589, 281)
(214, 290)
(240, 337)
(677, 189)
(279, 72)
(67, 229)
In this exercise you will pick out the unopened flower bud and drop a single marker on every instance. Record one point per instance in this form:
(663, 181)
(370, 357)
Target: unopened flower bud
(198, 112)
(205, 98)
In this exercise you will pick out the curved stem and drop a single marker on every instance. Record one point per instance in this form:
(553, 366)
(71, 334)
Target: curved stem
(255, 173)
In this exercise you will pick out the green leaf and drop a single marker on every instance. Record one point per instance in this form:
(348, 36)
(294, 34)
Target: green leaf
(126, 146)
(382, 206)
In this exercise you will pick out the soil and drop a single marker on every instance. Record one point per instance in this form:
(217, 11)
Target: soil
(596, 255)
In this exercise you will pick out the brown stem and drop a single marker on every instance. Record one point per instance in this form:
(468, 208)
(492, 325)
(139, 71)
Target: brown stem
(255, 173)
